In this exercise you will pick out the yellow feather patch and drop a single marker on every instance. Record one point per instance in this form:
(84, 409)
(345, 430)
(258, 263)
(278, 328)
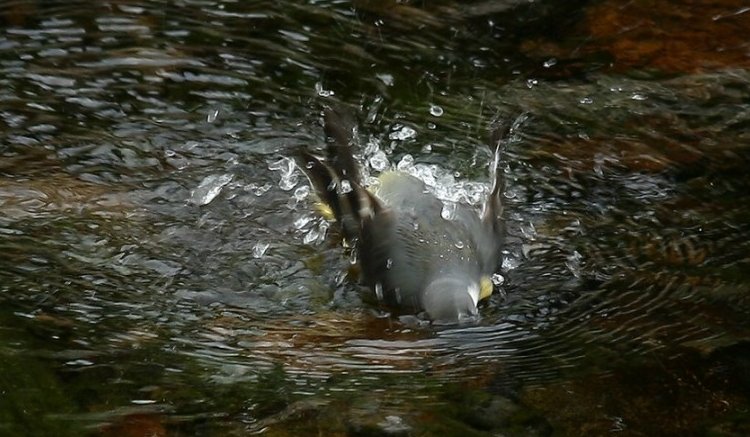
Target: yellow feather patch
(325, 211)
(485, 287)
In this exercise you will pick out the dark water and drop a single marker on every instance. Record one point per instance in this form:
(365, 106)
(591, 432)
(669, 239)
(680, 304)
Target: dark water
(162, 273)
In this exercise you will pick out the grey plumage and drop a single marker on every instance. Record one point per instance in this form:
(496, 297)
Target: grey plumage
(414, 259)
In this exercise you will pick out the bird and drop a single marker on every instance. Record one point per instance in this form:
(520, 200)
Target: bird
(414, 259)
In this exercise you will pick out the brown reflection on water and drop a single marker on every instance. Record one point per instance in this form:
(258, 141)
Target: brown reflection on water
(675, 36)
(54, 193)
(671, 396)
(672, 36)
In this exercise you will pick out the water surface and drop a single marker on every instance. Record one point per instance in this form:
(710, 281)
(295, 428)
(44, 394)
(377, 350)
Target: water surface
(162, 271)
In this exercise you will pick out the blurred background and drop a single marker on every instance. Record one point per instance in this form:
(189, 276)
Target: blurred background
(162, 273)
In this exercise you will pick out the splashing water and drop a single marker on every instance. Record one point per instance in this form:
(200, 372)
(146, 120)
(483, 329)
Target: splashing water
(209, 188)
(288, 170)
(259, 249)
(403, 133)
(379, 161)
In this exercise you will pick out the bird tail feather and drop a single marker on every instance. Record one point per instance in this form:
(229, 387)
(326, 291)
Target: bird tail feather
(337, 180)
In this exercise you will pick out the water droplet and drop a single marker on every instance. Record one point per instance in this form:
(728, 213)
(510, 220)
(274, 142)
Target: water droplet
(586, 101)
(449, 211)
(345, 187)
(388, 263)
(301, 193)
(531, 83)
(302, 222)
(379, 291)
(259, 190)
(574, 263)
(406, 163)
(404, 133)
(260, 249)
(549, 62)
(459, 244)
(427, 148)
(416, 226)
(386, 78)
(379, 161)
(637, 96)
(510, 263)
(529, 231)
(212, 115)
(209, 188)
(311, 236)
(289, 177)
(322, 92)
(497, 279)
(397, 291)
(436, 110)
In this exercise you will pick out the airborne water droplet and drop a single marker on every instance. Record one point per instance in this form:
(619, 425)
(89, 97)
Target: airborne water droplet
(260, 249)
(345, 187)
(573, 263)
(497, 279)
(379, 161)
(436, 110)
(209, 188)
(212, 115)
(311, 236)
(406, 163)
(403, 134)
(301, 193)
(388, 263)
(289, 177)
(322, 92)
(449, 211)
(379, 291)
(302, 222)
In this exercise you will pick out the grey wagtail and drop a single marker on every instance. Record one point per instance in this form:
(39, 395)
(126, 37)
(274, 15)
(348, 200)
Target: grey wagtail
(413, 258)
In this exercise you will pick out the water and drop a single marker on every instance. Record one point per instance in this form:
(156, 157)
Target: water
(162, 269)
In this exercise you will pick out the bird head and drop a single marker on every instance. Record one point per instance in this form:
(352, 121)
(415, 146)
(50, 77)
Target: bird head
(452, 299)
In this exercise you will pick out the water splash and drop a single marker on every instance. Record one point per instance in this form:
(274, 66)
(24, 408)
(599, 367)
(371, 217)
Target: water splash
(319, 90)
(209, 188)
(386, 78)
(406, 164)
(288, 170)
(497, 279)
(212, 115)
(301, 193)
(317, 233)
(379, 161)
(259, 249)
(449, 210)
(573, 263)
(402, 133)
(379, 291)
